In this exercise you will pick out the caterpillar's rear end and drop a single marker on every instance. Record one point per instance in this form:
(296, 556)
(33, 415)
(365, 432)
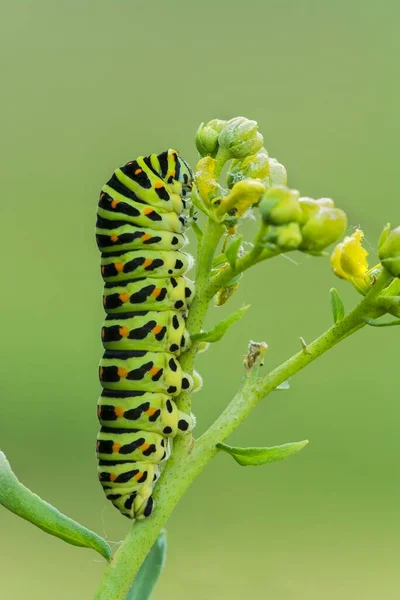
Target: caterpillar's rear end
(140, 224)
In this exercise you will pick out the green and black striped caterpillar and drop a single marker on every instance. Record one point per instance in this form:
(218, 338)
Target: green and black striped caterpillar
(139, 231)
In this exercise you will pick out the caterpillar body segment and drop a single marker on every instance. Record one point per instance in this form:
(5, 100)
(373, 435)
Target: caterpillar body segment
(140, 224)
(148, 293)
(139, 263)
(140, 410)
(150, 330)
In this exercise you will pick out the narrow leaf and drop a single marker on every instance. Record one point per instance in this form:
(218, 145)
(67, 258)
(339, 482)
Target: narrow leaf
(198, 232)
(150, 570)
(220, 259)
(337, 305)
(376, 323)
(232, 249)
(262, 456)
(218, 332)
(18, 499)
(234, 280)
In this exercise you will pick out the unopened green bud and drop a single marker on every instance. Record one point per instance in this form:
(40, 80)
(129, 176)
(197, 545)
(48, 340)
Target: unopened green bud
(280, 205)
(240, 137)
(323, 224)
(309, 206)
(389, 251)
(207, 137)
(286, 237)
(277, 173)
(255, 166)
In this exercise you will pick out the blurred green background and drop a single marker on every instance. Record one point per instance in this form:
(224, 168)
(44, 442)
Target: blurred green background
(87, 86)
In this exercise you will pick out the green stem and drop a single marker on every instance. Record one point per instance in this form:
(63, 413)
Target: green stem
(187, 462)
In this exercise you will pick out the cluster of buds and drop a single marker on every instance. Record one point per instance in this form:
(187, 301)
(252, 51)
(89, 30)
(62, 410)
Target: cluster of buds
(237, 138)
(300, 223)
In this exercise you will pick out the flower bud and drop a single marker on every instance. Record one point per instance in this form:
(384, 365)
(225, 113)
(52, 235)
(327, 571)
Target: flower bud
(349, 261)
(280, 205)
(240, 137)
(207, 137)
(277, 173)
(389, 251)
(322, 224)
(309, 206)
(287, 237)
(241, 197)
(257, 166)
(204, 176)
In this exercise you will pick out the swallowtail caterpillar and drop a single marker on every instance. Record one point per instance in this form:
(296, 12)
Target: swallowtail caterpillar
(139, 231)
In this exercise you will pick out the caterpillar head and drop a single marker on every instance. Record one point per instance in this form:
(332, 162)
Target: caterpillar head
(183, 174)
(175, 170)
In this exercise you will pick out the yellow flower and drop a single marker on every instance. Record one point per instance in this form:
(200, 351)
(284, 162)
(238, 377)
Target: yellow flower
(349, 261)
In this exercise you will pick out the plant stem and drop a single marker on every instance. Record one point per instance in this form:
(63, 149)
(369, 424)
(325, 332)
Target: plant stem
(186, 463)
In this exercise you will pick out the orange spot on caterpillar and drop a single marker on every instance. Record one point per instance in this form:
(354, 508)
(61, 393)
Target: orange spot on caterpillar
(103, 332)
(103, 269)
(98, 445)
(122, 372)
(113, 476)
(119, 267)
(114, 237)
(116, 447)
(145, 237)
(154, 371)
(114, 203)
(150, 412)
(147, 211)
(156, 329)
(144, 447)
(99, 412)
(124, 297)
(138, 171)
(101, 371)
(147, 262)
(104, 299)
(119, 411)
(158, 185)
(123, 331)
(156, 292)
(138, 476)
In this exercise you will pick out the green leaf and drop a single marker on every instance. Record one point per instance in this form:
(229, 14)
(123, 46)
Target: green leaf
(220, 259)
(198, 232)
(18, 499)
(262, 456)
(337, 305)
(376, 323)
(150, 570)
(218, 332)
(232, 249)
(234, 280)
